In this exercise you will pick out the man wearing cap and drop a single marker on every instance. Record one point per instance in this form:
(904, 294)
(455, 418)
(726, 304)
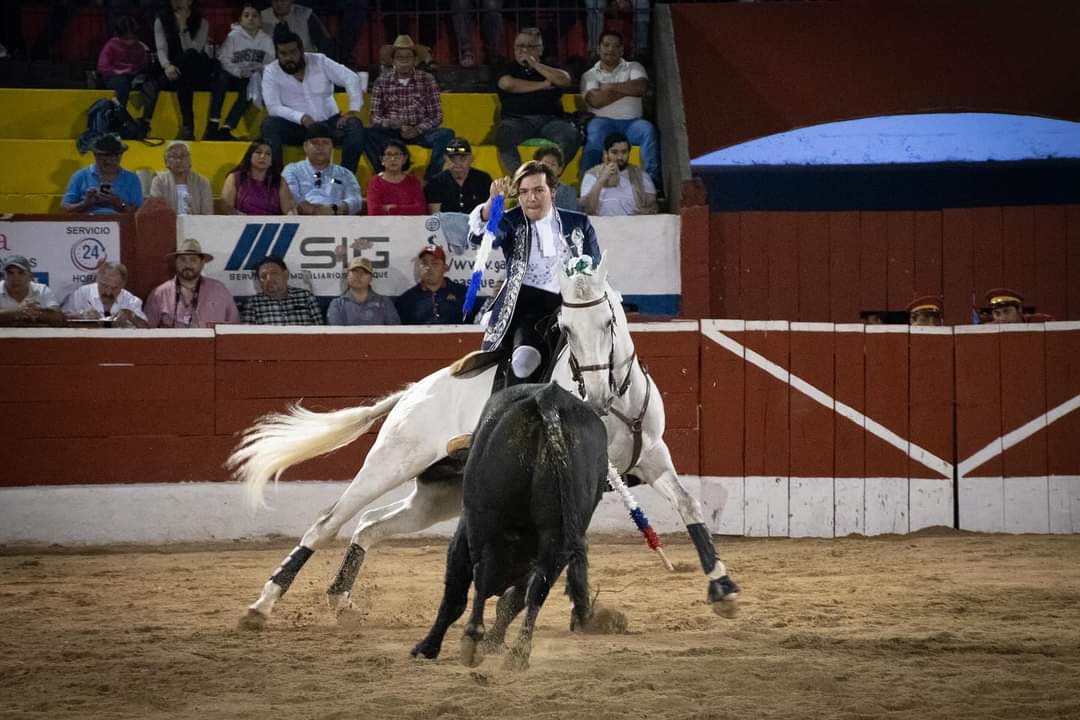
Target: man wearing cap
(190, 300)
(537, 240)
(530, 96)
(319, 186)
(104, 187)
(23, 301)
(278, 303)
(299, 91)
(1006, 306)
(926, 311)
(106, 298)
(460, 187)
(405, 106)
(434, 300)
(360, 305)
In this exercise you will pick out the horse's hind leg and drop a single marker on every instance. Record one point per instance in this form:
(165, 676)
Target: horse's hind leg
(510, 604)
(366, 486)
(657, 469)
(428, 504)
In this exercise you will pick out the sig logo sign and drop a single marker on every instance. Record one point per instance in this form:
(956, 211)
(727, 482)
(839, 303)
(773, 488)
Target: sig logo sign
(87, 254)
(317, 252)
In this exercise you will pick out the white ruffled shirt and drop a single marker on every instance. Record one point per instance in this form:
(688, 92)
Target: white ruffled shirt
(547, 255)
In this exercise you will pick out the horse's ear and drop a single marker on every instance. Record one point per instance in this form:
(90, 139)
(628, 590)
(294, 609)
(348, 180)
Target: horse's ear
(600, 268)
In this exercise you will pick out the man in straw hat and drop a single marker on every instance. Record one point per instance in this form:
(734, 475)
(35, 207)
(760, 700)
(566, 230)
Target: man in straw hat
(189, 300)
(104, 188)
(405, 106)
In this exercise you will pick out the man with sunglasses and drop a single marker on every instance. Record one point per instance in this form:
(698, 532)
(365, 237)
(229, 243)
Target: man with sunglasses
(530, 96)
(319, 186)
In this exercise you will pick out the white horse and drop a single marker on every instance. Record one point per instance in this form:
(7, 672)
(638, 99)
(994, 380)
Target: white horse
(599, 363)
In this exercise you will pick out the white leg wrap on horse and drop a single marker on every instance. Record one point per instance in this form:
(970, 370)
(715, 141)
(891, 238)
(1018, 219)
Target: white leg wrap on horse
(525, 361)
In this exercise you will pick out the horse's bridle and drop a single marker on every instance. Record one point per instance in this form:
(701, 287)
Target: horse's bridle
(577, 371)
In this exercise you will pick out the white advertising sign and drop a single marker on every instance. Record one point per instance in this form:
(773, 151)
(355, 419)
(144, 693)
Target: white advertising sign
(64, 254)
(642, 252)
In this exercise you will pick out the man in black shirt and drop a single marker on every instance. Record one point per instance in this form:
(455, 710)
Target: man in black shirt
(461, 187)
(435, 300)
(530, 93)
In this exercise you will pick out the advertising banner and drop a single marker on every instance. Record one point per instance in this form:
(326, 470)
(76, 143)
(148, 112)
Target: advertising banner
(642, 252)
(64, 254)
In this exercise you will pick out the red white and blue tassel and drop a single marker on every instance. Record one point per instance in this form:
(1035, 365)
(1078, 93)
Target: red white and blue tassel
(483, 252)
(637, 515)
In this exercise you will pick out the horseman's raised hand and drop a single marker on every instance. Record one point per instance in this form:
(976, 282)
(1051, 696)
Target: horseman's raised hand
(498, 187)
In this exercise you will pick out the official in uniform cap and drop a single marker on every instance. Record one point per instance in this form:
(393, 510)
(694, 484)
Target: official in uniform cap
(926, 311)
(1007, 306)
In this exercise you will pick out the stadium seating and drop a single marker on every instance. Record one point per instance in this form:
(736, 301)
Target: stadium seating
(38, 144)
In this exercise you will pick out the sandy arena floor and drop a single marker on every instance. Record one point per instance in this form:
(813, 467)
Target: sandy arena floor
(936, 625)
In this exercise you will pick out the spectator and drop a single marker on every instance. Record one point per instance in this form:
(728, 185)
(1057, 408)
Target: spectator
(612, 90)
(104, 187)
(490, 26)
(245, 51)
(184, 190)
(565, 195)
(255, 186)
(461, 187)
(318, 186)
(278, 303)
(107, 299)
(537, 240)
(405, 106)
(190, 300)
(435, 299)
(360, 305)
(122, 65)
(531, 99)
(299, 91)
(180, 36)
(617, 187)
(23, 301)
(1006, 305)
(351, 15)
(395, 191)
(926, 311)
(594, 22)
(300, 20)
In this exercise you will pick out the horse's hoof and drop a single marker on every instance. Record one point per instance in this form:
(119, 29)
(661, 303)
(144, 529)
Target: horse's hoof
(724, 596)
(423, 652)
(252, 620)
(339, 602)
(517, 660)
(472, 653)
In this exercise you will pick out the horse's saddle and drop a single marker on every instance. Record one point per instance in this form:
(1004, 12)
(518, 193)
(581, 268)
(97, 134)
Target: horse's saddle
(475, 362)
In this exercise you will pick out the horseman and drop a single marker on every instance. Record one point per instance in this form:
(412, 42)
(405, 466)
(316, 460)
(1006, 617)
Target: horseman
(538, 240)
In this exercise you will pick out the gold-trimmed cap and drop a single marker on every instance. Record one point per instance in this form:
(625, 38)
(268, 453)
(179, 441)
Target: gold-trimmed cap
(1000, 297)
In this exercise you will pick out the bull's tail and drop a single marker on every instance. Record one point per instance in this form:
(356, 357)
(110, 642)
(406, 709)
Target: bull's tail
(280, 440)
(559, 462)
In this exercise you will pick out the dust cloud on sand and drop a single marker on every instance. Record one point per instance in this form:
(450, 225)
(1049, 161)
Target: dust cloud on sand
(935, 625)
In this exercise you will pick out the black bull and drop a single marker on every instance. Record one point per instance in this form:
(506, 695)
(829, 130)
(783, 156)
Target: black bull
(534, 476)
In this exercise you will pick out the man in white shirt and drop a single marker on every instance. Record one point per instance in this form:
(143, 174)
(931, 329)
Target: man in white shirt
(318, 185)
(616, 187)
(299, 91)
(23, 301)
(107, 299)
(612, 90)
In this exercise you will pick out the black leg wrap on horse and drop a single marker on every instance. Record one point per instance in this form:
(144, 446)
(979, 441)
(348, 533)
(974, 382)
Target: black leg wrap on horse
(721, 587)
(350, 568)
(283, 577)
(703, 543)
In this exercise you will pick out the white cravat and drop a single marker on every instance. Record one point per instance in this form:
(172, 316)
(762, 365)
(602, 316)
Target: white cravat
(545, 234)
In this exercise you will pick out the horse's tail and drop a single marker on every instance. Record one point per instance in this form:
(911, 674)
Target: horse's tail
(280, 440)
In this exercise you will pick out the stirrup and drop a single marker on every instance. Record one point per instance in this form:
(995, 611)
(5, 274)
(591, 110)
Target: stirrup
(458, 446)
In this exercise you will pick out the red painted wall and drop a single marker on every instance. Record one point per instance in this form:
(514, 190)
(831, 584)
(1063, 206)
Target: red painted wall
(753, 69)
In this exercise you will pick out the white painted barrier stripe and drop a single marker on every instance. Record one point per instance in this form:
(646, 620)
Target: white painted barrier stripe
(106, 333)
(1017, 436)
(916, 453)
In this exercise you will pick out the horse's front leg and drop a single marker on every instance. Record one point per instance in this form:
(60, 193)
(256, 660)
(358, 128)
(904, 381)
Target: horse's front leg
(429, 503)
(657, 469)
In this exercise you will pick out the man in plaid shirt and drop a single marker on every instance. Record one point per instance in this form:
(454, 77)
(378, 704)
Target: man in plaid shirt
(405, 106)
(279, 304)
